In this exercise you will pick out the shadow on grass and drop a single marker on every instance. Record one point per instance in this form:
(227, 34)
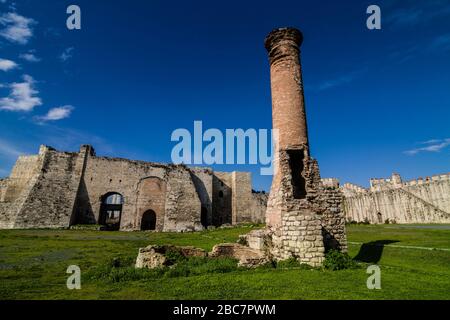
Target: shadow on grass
(371, 252)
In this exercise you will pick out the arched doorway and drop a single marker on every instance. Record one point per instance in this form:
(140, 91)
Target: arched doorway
(148, 221)
(111, 210)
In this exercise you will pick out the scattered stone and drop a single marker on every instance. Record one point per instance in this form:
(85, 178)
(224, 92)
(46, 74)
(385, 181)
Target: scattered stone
(247, 257)
(155, 256)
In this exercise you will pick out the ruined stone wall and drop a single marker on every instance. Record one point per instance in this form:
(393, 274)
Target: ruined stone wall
(203, 181)
(3, 185)
(51, 200)
(241, 197)
(310, 224)
(183, 206)
(112, 175)
(222, 198)
(58, 189)
(151, 197)
(333, 218)
(258, 207)
(17, 188)
(25, 169)
(417, 201)
(435, 190)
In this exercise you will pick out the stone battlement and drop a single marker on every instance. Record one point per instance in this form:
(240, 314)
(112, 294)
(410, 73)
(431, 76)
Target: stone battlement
(415, 201)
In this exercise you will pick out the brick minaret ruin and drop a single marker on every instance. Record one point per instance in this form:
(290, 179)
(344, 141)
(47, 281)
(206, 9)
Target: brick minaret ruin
(303, 216)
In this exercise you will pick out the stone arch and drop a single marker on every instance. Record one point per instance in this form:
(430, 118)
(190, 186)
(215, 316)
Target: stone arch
(151, 195)
(111, 210)
(148, 220)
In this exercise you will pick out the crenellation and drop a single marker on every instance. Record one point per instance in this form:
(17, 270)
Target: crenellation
(393, 200)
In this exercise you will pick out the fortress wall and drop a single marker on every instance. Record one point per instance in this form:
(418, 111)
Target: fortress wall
(395, 205)
(151, 198)
(112, 175)
(416, 201)
(58, 189)
(3, 186)
(51, 200)
(16, 189)
(183, 206)
(434, 192)
(222, 198)
(24, 170)
(241, 197)
(203, 181)
(258, 207)
(106, 175)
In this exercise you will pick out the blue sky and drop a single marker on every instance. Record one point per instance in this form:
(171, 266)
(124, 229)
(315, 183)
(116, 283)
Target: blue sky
(378, 101)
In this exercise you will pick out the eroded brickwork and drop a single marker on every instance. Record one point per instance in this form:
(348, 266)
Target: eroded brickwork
(303, 215)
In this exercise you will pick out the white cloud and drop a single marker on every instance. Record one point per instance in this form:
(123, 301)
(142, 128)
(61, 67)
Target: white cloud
(58, 113)
(434, 145)
(67, 54)
(30, 57)
(6, 65)
(17, 28)
(23, 96)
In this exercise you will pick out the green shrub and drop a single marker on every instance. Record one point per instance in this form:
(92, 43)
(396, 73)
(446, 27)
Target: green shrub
(174, 256)
(336, 260)
(288, 263)
(292, 262)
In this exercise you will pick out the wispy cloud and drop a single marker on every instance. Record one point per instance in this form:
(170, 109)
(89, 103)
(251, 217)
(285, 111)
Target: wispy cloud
(437, 45)
(55, 114)
(344, 79)
(441, 43)
(433, 145)
(67, 54)
(30, 57)
(7, 150)
(421, 13)
(6, 65)
(23, 96)
(17, 28)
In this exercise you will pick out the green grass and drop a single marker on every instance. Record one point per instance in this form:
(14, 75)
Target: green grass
(33, 265)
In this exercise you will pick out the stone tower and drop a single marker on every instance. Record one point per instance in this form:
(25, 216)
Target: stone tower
(303, 216)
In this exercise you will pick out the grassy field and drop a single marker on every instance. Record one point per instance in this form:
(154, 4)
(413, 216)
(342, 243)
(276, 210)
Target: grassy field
(33, 265)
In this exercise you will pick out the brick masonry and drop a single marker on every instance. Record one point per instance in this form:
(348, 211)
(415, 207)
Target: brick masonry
(303, 214)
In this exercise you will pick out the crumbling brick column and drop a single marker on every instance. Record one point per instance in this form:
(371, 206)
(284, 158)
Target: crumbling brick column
(296, 206)
(288, 104)
(288, 117)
